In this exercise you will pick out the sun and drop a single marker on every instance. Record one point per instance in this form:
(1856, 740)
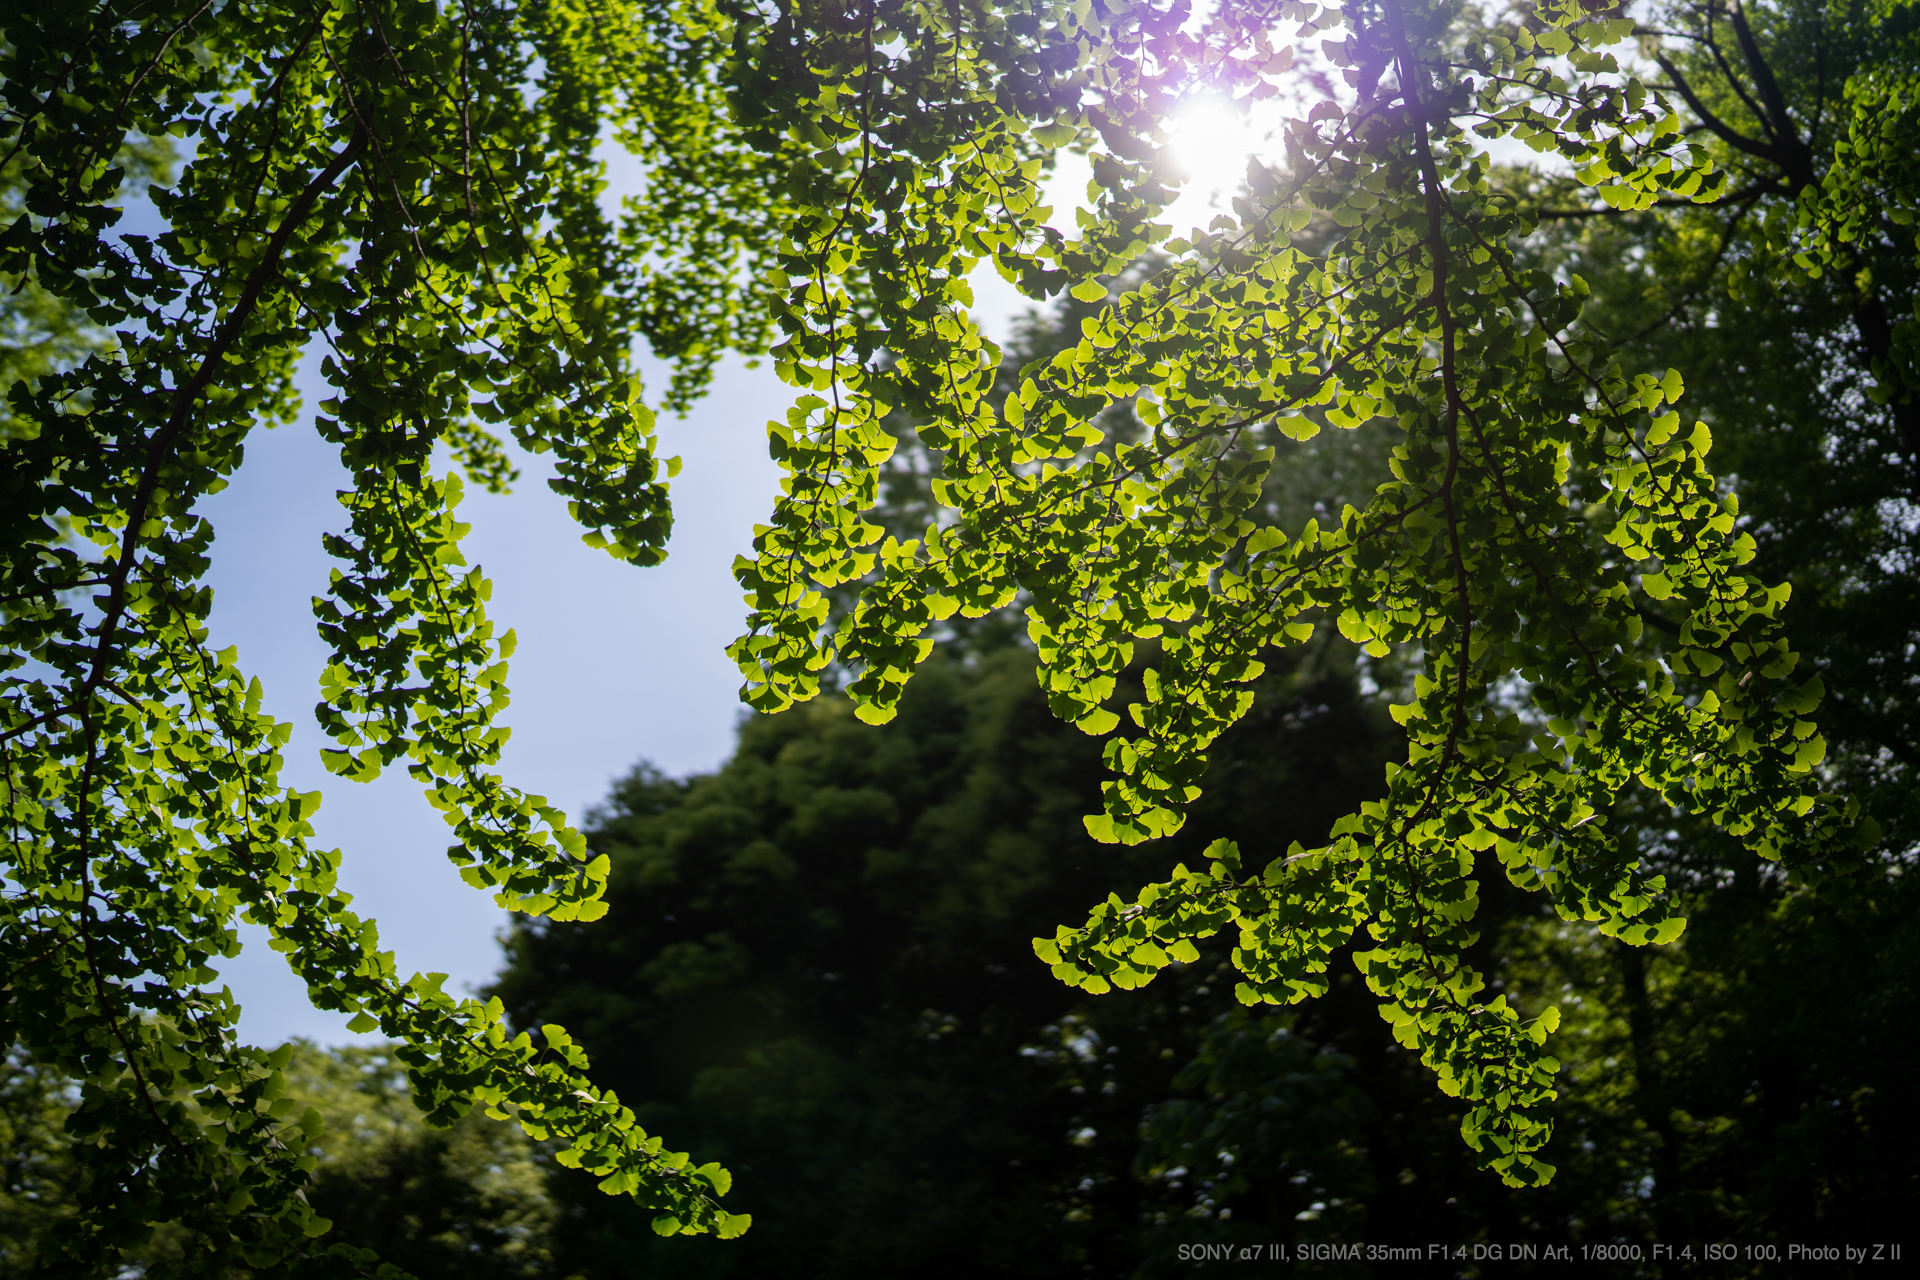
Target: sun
(1211, 142)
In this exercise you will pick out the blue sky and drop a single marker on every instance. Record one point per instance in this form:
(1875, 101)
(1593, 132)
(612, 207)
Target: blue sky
(615, 664)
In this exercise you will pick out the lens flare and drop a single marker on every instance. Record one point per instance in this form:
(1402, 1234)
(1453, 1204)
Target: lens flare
(1212, 141)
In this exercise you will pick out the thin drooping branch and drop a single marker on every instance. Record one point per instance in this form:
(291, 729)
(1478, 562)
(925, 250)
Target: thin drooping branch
(1733, 80)
(1721, 129)
(1436, 237)
(188, 395)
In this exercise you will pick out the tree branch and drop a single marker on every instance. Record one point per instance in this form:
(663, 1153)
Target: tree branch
(1733, 81)
(185, 398)
(1724, 131)
(1798, 161)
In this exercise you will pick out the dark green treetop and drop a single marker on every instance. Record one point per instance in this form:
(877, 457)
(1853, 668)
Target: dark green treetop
(467, 1201)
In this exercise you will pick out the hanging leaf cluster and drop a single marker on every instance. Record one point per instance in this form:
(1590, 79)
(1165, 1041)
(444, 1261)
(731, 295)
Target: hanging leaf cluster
(408, 190)
(1552, 546)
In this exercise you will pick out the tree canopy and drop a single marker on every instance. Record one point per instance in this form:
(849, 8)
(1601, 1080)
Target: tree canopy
(436, 1203)
(807, 971)
(1545, 504)
(1596, 642)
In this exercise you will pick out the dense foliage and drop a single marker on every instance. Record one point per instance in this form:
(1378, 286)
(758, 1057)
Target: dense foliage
(1551, 539)
(439, 1203)
(1599, 704)
(411, 189)
(806, 971)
